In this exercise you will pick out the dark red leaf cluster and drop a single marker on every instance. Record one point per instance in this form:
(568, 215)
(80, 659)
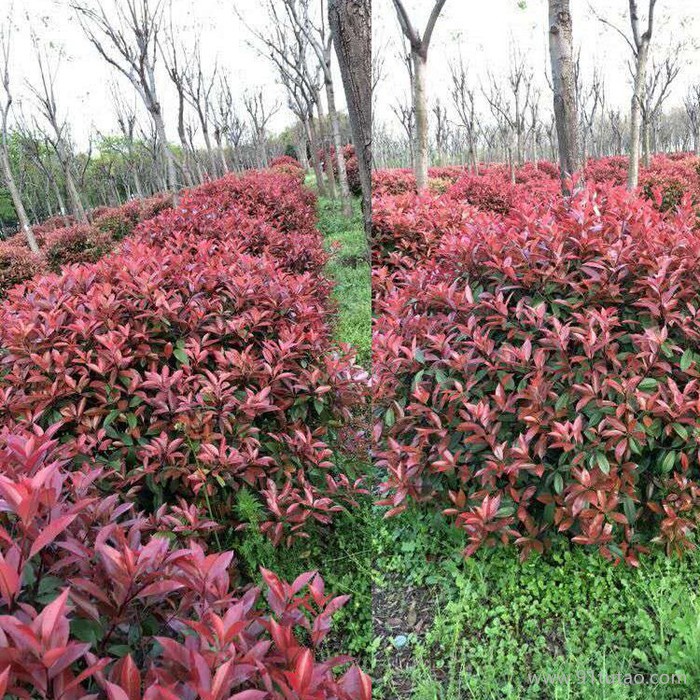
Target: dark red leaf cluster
(197, 360)
(97, 601)
(537, 372)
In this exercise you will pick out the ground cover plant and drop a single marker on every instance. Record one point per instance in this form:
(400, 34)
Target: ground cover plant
(181, 396)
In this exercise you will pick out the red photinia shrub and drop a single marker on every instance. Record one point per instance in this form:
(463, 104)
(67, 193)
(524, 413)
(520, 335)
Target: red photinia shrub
(80, 243)
(119, 222)
(277, 198)
(488, 192)
(231, 226)
(351, 167)
(52, 223)
(203, 371)
(95, 603)
(667, 181)
(610, 169)
(410, 226)
(288, 166)
(395, 181)
(284, 160)
(540, 374)
(402, 180)
(17, 264)
(191, 368)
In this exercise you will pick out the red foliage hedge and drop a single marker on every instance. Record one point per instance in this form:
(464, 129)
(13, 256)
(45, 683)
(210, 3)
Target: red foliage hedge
(139, 393)
(64, 241)
(99, 601)
(190, 367)
(539, 374)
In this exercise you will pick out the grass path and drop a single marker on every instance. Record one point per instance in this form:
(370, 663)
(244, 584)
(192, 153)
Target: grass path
(350, 270)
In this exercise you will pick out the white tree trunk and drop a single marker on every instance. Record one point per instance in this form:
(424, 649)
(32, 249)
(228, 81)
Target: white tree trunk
(564, 89)
(636, 115)
(17, 201)
(339, 156)
(420, 107)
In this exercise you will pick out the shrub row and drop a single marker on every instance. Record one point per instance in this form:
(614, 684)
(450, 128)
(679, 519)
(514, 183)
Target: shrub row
(63, 241)
(538, 371)
(141, 395)
(99, 601)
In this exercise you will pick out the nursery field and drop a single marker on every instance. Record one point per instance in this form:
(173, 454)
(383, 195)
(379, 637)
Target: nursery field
(536, 398)
(183, 431)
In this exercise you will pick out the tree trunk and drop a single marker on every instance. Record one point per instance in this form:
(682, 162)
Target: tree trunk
(636, 114)
(168, 157)
(17, 201)
(564, 89)
(330, 175)
(420, 106)
(646, 142)
(315, 160)
(74, 195)
(339, 155)
(351, 25)
(210, 150)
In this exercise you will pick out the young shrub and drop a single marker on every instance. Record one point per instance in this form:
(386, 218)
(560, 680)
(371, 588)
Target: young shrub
(17, 264)
(81, 243)
(487, 192)
(95, 603)
(540, 375)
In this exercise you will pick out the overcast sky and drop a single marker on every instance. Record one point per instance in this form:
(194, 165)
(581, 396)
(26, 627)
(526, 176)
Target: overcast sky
(483, 31)
(84, 78)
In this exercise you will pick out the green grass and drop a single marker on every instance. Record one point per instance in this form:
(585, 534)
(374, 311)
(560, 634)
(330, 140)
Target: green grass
(349, 267)
(488, 622)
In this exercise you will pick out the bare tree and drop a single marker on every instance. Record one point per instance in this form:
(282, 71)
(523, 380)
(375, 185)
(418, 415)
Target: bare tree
(442, 130)
(405, 114)
(286, 46)
(564, 90)
(127, 120)
(463, 100)
(260, 115)
(639, 45)
(656, 90)
(419, 57)
(5, 106)
(321, 42)
(692, 108)
(128, 41)
(178, 66)
(351, 27)
(199, 89)
(510, 111)
(45, 94)
(591, 103)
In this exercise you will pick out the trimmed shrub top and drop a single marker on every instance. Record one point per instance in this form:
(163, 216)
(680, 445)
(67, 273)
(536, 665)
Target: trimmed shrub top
(539, 374)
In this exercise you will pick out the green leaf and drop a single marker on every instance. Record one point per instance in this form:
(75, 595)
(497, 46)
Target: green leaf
(111, 417)
(603, 463)
(558, 483)
(648, 384)
(181, 356)
(668, 462)
(686, 359)
(681, 430)
(389, 418)
(86, 630)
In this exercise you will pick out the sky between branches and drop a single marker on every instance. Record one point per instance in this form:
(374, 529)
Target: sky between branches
(83, 80)
(484, 31)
